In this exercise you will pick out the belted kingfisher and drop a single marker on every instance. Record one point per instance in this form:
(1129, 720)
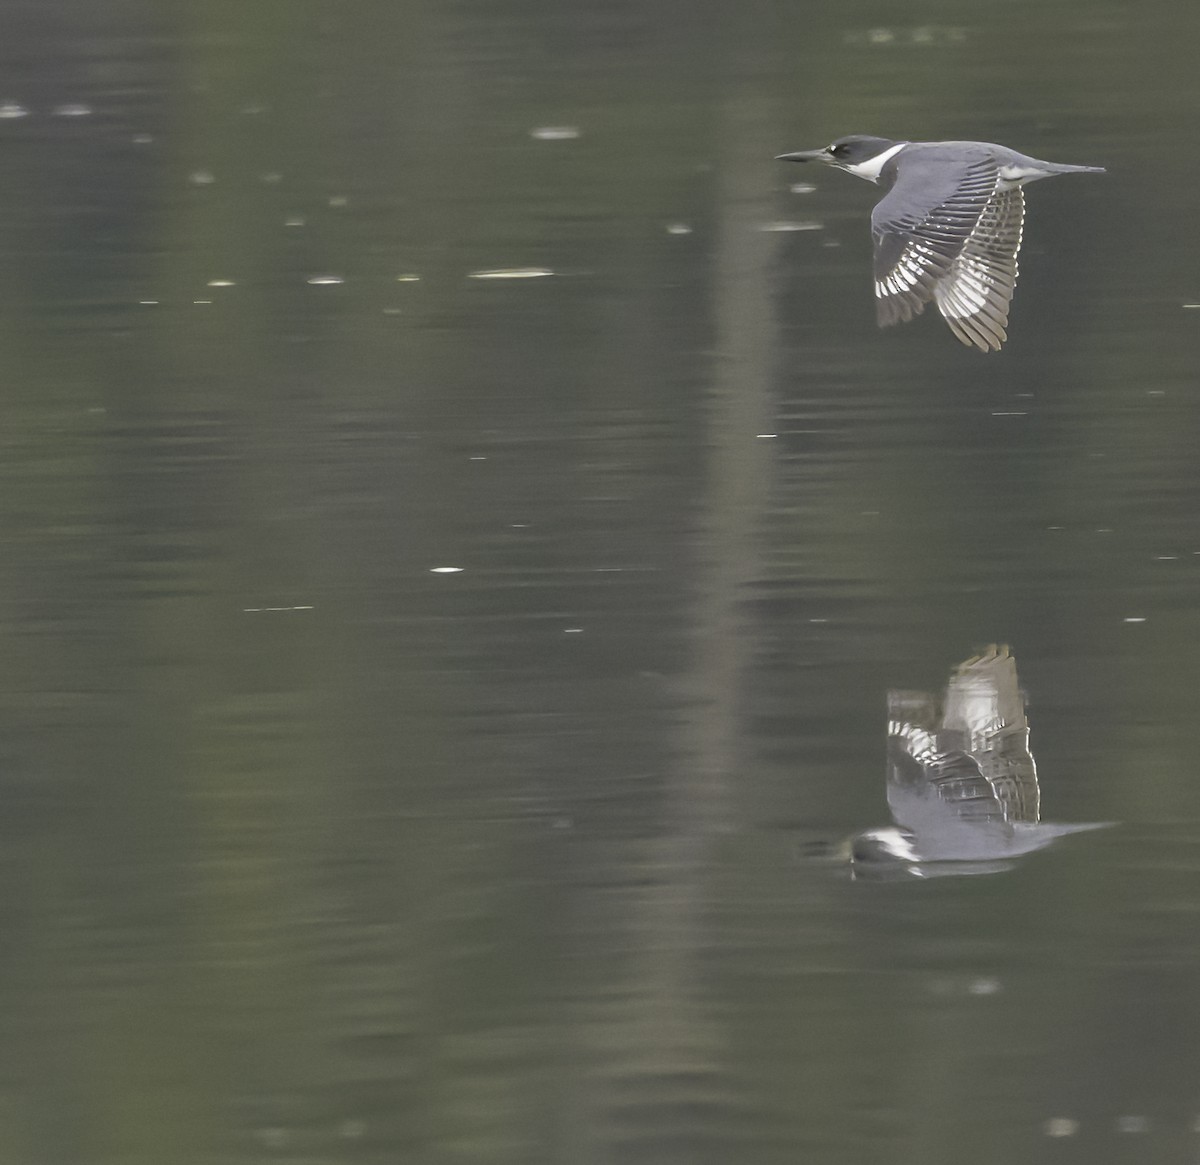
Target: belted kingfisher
(961, 782)
(948, 229)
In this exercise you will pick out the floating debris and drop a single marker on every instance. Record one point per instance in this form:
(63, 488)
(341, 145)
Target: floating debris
(1060, 1126)
(338, 201)
(221, 283)
(202, 177)
(295, 220)
(324, 280)
(72, 109)
(555, 133)
(678, 228)
(446, 569)
(787, 225)
(10, 109)
(408, 278)
(142, 139)
(802, 188)
(258, 610)
(920, 36)
(512, 273)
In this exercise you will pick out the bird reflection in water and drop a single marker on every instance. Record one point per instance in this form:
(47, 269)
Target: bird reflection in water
(961, 782)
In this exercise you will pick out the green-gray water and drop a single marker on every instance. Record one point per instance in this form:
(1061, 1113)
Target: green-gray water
(315, 852)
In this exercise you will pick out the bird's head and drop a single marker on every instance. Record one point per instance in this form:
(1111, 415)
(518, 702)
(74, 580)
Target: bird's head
(858, 154)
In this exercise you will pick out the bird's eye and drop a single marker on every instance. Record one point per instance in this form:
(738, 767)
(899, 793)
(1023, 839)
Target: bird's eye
(837, 150)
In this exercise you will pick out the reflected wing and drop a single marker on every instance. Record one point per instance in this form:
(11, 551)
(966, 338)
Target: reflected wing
(985, 711)
(934, 789)
(968, 762)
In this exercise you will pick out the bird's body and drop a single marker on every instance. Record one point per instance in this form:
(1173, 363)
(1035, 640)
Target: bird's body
(948, 229)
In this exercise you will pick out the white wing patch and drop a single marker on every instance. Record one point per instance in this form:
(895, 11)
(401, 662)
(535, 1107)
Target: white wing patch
(917, 263)
(974, 297)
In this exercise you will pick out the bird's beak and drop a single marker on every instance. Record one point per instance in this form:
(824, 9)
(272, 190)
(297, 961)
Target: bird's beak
(804, 156)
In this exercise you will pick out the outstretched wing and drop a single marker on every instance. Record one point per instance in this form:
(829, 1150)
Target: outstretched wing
(946, 231)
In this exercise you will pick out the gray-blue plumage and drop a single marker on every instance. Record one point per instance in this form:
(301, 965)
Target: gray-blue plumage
(948, 229)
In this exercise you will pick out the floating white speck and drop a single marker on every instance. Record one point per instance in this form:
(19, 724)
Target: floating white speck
(572, 630)
(72, 109)
(984, 986)
(880, 35)
(1192, 305)
(201, 301)
(1011, 413)
(11, 109)
(1134, 619)
(324, 280)
(1132, 1124)
(221, 283)
(148, 302)
(295, 220)
(1166, 558)
(446, 570)
(202, 177)
(678, 228)
(555, 133)
(273, 1138)
(1060, 1126)
(408, 277)
(142, 139)
(512, 273)
(802, 188)
(271, 177)
(787, 225)
(476, 458)
(259, 610)
(765, 436)
(338, 201)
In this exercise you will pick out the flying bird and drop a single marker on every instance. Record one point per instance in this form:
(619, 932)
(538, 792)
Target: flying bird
(948, 229)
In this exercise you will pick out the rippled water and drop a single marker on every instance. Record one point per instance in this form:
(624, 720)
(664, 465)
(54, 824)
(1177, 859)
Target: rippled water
(460, 526)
